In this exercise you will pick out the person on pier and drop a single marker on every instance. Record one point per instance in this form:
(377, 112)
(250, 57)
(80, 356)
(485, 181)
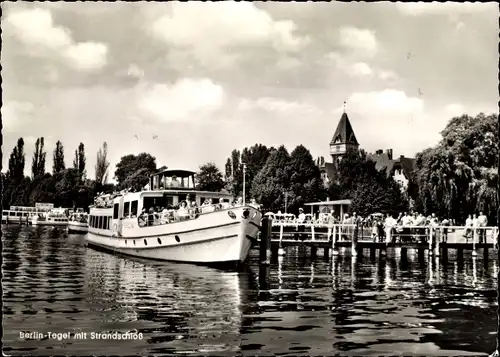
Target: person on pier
(331, 221)
(301, 220)
(468, 228)
(482, 223)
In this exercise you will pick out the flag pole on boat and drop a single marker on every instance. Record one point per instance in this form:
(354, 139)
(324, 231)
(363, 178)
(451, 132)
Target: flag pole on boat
(244, 169)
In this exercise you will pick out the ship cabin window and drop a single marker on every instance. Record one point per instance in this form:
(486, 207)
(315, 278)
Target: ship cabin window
(4, 213)
(109, 222)
(91, 221)
(100, 223)
(115, 211)
(126, 209)
(158, 202)
(12, 213)
(18, 214)
(133, 209)
(105, 223)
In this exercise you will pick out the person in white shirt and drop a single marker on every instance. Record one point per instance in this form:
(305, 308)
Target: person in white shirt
(482, 222)
(388, 226)
(468, 228)
(300, 220)
(475, 225)
(406, 223)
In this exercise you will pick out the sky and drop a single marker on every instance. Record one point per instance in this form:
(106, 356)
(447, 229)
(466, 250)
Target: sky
(190, 82)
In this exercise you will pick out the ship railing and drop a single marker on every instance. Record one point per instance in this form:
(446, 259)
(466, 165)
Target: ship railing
(176, 215)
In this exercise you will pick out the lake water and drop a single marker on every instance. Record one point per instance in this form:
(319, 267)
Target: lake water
(366, 306)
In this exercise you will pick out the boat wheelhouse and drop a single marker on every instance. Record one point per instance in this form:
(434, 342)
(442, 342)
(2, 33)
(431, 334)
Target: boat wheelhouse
(171, 220)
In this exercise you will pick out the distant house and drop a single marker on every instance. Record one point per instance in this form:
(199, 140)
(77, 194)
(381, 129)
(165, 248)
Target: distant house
(344, 139)
(400, 169)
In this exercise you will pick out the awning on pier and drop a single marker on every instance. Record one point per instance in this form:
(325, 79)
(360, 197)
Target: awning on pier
(331, 204)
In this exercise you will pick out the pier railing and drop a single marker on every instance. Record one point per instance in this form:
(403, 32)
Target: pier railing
(398, 233)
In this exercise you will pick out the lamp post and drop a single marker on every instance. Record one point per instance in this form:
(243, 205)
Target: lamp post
(244, 170)
(286, 201)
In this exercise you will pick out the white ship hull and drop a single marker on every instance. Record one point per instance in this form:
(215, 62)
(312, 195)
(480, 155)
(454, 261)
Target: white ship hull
(211, 238)
(48, 222)
(78, 227)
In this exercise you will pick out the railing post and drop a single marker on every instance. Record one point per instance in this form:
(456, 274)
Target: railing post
(431, 236)
(334, 241)
(312, 231)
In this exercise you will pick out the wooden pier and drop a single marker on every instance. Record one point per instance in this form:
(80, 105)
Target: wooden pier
(276, 236)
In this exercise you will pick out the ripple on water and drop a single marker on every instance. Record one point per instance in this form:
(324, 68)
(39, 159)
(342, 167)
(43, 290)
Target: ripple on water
(52, 282)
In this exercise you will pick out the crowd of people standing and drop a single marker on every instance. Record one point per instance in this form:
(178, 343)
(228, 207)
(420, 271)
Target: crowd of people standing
(407, 227)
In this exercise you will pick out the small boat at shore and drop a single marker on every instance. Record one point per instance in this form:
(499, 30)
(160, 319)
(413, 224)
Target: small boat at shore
(172, 221)
(78, 223)
(56, 217)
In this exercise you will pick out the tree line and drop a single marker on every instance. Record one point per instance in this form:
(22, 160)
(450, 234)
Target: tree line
(457, 177)
(65, 186)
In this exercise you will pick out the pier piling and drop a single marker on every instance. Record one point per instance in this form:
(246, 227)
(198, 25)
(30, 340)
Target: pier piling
(314, 252)
(265, 241)
(431, 241)
(335, 248)
(474, 242)
(439, 236)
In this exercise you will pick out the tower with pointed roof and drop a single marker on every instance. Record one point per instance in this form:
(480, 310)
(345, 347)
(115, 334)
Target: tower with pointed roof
(343, 139)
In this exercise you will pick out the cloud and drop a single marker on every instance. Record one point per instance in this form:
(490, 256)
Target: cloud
(443, 8)
(87, 55)
(360, 69)
(187, 99)
(387, 75)
(15, 114)
(454, 109)
(211, 30)
(35, 28)
(276, 105)
(388, 101)
(361, 41)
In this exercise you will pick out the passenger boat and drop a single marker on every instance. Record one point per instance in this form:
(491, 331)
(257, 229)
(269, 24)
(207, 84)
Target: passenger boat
(55, 217)
(78, 222)
(24, 214)
(171, 220)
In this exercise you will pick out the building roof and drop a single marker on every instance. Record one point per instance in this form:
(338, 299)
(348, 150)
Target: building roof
(344, 133)
(383, 161)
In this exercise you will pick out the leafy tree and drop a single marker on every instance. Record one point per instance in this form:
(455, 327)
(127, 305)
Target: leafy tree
(79, 161)
(102, 164)
(370, 190)
(234, 173)
(273, 180)
(58, 164)
(305, 182)
(459, 176)
(255, 158)
(209, 178)
(38, 163)
(136, 169)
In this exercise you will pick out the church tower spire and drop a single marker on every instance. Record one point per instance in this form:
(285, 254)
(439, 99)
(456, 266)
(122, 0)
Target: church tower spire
(343, 138)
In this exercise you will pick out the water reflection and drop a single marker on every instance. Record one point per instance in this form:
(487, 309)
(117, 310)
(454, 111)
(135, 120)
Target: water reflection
(403, 304)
